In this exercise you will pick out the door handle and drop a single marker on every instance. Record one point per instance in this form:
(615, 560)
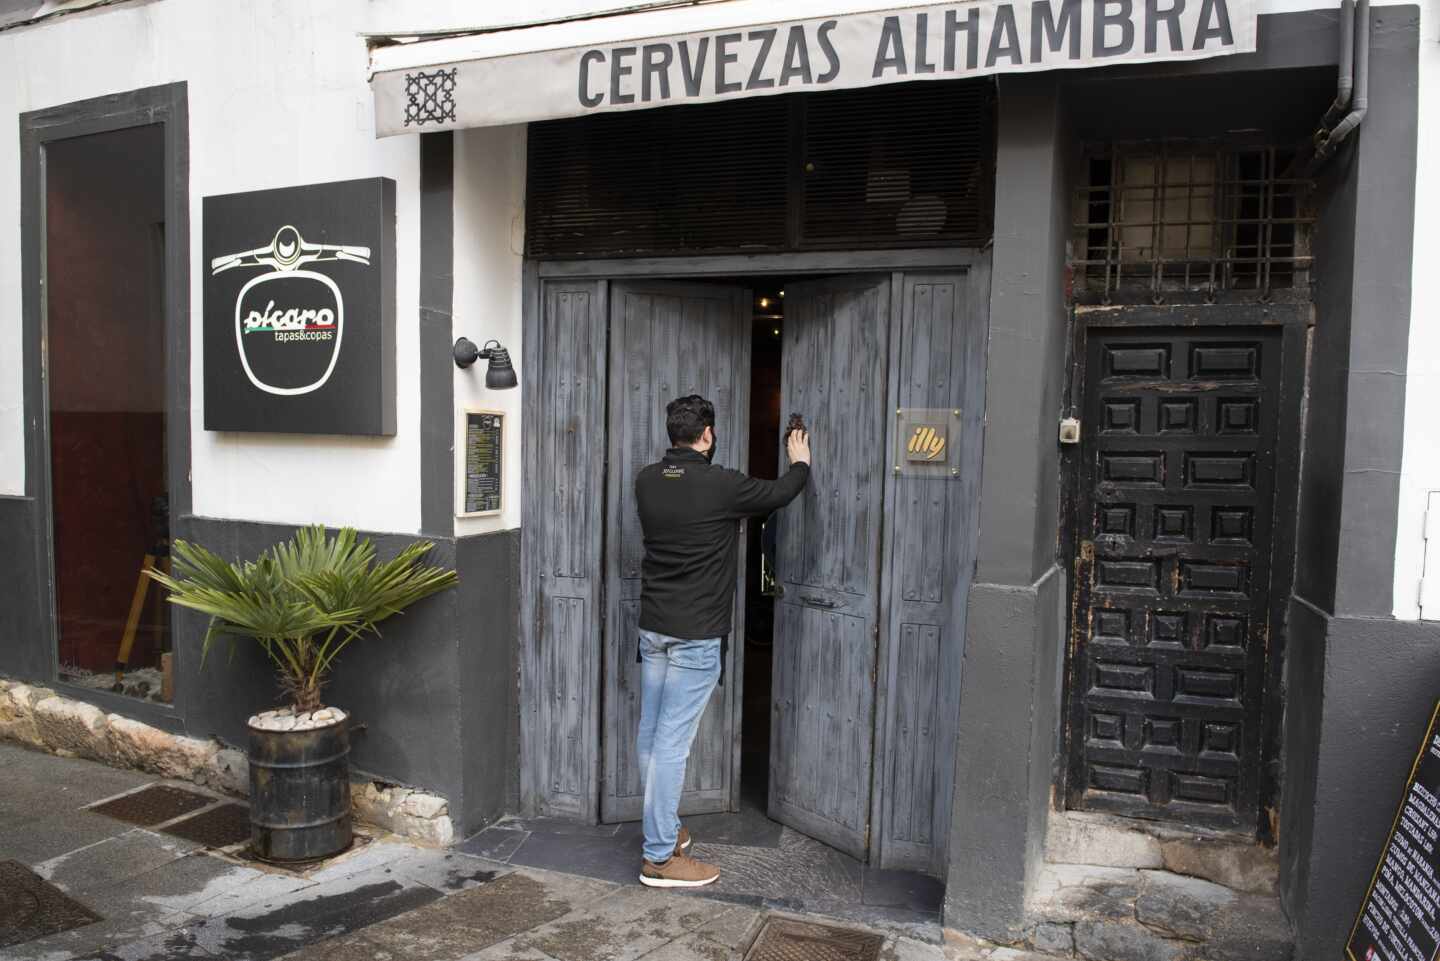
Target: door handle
(816, 601)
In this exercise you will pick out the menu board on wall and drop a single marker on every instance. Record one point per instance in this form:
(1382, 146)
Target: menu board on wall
(483, 483)
(1398, 917)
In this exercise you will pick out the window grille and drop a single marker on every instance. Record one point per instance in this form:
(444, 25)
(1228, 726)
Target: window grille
(1176, 221)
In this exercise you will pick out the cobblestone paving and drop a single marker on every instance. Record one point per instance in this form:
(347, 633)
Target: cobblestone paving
(161, 898)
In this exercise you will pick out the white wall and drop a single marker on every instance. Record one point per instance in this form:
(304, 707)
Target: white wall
(278, 97)
(1420, 471)
(489, 249)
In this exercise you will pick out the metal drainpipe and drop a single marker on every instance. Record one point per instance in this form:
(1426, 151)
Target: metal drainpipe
(1326, 141)
(1346, 79)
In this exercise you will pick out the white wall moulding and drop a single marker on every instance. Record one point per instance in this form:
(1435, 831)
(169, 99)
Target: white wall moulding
(1429, 592)
(658, 58)
(489, 241)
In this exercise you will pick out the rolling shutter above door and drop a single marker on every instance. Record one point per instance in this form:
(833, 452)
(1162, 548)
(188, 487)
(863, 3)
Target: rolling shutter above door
(906, 165)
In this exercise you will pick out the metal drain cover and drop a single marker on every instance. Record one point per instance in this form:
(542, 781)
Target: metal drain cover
(153, 805)
(218, 827)
(782, 939)
(31, 907)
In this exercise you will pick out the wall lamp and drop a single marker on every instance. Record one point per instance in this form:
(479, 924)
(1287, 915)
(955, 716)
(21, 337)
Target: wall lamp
(500, 374)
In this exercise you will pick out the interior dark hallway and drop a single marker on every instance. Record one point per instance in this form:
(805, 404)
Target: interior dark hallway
(764, 461)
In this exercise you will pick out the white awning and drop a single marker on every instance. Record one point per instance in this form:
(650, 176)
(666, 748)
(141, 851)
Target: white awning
(722, 51)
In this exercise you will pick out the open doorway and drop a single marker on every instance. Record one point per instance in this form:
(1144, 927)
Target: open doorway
(106, 389)
(723, 339)
(766, 346)
(790, 736)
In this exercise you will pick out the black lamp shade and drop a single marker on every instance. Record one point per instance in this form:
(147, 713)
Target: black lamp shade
(500, 372)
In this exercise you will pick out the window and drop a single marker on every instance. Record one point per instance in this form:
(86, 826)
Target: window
(1166, 220)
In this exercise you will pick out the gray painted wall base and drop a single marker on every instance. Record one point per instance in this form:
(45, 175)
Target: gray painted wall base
(24, 640)
(1009, 712)
(1379, 680)
(436, 692)
(432, 692)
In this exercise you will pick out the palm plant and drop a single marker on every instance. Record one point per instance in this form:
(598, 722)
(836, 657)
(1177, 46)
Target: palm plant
(303, 601)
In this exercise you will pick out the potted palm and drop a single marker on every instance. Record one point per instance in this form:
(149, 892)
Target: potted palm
(303, 602)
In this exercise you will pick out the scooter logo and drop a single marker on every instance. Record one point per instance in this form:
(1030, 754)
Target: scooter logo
(289, 321)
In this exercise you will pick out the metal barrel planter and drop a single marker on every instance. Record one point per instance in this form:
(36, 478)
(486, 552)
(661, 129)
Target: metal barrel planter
(300, 792)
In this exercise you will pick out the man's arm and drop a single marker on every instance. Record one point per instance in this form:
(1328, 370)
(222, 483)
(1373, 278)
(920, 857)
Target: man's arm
(752, 496)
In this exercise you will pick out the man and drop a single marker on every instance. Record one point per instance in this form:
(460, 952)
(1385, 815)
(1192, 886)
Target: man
(689, 509)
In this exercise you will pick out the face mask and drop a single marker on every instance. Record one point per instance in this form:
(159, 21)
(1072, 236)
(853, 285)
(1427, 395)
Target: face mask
(709, 455)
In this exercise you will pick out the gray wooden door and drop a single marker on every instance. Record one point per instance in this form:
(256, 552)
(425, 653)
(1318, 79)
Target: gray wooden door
(932, 513)
(560, 552)
(668, 339)
(828, 563)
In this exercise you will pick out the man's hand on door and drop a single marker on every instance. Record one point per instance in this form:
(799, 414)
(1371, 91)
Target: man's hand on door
(797, 445)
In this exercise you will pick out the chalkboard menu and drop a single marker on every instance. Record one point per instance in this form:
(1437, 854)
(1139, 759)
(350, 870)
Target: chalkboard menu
(484, 460)
(1398, 918)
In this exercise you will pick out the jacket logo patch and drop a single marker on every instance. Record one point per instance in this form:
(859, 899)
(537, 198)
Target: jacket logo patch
(673, 472)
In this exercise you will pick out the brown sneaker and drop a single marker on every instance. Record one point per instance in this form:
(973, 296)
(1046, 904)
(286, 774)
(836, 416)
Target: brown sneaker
(683, 841)
(681, 871)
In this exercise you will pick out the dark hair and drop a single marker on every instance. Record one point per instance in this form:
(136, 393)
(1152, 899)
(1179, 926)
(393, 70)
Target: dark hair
(687, 417)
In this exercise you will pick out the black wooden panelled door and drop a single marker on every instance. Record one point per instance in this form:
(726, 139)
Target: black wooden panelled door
(828, 542)
(1175, 506)
(667, 339)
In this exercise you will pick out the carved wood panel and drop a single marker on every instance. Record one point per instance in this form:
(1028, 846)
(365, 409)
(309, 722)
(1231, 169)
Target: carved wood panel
(1171, 620)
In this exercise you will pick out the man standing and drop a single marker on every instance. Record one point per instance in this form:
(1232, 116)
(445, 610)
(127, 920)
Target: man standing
(689, 513)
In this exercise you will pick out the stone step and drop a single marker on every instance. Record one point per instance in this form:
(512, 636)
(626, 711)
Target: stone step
(1082, 837)
(1124, 914)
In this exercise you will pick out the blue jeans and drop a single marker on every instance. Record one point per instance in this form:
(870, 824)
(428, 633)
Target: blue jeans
(676, 679)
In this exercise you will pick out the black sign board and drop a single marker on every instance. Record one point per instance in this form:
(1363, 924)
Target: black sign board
(300, 309)
(1398, 918)
(484, 462)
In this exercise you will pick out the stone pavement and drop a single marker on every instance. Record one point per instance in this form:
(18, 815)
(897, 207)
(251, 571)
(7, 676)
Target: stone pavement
(163, 898)
(520, 891)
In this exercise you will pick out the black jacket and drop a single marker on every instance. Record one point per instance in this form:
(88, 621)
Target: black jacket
(689, 511)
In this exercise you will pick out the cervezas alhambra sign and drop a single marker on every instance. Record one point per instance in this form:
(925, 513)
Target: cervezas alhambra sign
(472, 82)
